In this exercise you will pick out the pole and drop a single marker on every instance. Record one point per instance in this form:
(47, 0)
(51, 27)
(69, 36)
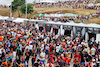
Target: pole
(11, 10)
(26, 9)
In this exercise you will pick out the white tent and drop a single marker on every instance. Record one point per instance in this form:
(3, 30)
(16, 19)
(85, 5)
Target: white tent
(20, 20)
(3, 17)
(33, 20)
(47, 1)
(90, 5)
(74, 24)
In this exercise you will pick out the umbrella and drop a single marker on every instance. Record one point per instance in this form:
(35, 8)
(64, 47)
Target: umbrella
(37, 15)
(34, 2)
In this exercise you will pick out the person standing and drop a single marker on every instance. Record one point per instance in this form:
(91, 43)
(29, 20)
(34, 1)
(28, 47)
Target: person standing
(93, 51)
(43, 57)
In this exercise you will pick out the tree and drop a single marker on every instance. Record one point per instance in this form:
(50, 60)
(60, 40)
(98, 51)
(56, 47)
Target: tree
(17, 3)
(29, 9)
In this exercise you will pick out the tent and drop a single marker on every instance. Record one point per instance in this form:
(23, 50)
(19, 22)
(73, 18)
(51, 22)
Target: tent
(34, 2)
(40, 15)
(97, 5)
(37, 15)
(33, 20)
(57, 15)
(74, 24)
(3, 17)
(10, 19)
(20, 20)
(90, 5)
(47, 1)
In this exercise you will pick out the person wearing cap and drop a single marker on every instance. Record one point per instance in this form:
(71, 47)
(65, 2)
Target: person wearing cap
(23, 62)
(40, 64)
(4, 64)
(14, 63)
(50, 64)
(93, 63)
(21, 65)
(82, 64)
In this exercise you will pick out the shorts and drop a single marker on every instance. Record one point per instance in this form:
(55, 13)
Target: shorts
(68, 64)
(32, 63)
(43, 61)
(47, 52)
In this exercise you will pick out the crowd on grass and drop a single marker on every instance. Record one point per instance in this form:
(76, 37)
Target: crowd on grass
(21, 43)
(65, 19)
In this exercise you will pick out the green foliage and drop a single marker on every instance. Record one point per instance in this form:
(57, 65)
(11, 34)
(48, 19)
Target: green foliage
(29, 8)
(17, 3)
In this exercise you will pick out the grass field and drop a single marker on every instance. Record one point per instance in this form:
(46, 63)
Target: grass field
(80, 11)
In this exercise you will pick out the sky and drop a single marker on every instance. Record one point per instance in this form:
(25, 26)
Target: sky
(5, 2)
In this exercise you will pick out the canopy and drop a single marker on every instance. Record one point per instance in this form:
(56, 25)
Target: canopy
(92, 25)
(90, 5)
(10, 19)
(34, 2)
(97, 5)
(3, 17)
(20, 20)
(39, 15)
(47, 1)
(57, 15)
(33, 20)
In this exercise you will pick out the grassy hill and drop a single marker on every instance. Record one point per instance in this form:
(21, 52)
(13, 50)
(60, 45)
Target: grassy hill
(80, 11)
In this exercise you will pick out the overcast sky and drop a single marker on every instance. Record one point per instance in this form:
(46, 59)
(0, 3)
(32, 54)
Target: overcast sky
(5, 2)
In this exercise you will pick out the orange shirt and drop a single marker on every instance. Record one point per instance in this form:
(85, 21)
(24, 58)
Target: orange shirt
(1, 38)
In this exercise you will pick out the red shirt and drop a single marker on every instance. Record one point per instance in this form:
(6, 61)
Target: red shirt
(68, 60)
(77, 57)
(51, 48)
(52, 60)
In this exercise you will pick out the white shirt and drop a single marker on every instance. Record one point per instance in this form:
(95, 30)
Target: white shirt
(42, 54)
(27, 47)
(57, 48)
(92, 64)
(47, 47)
(93, 51)
(30, 47)
(42, 47)
(20, 46)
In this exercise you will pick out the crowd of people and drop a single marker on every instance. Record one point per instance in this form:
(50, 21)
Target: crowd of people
(82, 18)
(20, 43)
